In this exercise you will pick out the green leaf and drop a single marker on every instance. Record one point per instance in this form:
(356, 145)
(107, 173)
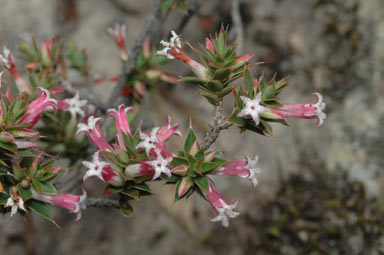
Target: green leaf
(225, 91)
(191, 138)
(141, 186)
(249, 83)
(268, 92)
(221, 74)
(208, 166)
(3, 198)
(178, 161)
(9, 147)
(25, 194)
(40, 208)
(112, 189)
(213, 99)
(214, 85)
(202, 182)
(134, 194)
(237, 120)
(47, 188)
(194, 80)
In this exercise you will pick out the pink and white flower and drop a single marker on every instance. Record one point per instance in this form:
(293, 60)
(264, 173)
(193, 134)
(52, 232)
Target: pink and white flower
(122, 124)
(157, 137)
(139, 169)
(102, 170)
(149, 141)
(94, 133)
(119, 34)
(173, 50)
(224, 211)
(68, 201)
(245, 169)
(160, 165)
(303, 110)
(36, 107)
(252, 108)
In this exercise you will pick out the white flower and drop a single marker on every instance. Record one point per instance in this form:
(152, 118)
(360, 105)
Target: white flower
(225, 212)
(160, 165)
(173, 44)
(95, 168)
(252, 108)
(74, 105)
(253, 170)
(16, 202)
(320, 106)
(148, 141)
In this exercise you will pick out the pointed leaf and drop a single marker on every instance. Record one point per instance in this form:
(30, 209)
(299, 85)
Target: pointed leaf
(202, 182)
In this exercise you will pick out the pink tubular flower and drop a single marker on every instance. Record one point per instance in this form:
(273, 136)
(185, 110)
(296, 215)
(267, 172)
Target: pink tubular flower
(173, 50)
(303, 110)
(121, 121)
(223, 210)
(139, 169)
(36, 107)
(252, 108)
(102, 171)
(245, 169)
(68, 201)
(94, 134)
(118, 33)
(9, 63)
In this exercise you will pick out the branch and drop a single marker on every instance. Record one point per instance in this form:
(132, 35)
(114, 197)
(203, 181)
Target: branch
(219, 124)
(130, 64)
(102, 203)
(238, 25)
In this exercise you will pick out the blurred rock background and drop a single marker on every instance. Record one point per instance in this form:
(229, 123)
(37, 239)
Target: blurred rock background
(334, 47)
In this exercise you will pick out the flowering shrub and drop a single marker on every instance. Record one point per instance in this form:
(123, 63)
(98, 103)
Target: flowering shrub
(49, 115)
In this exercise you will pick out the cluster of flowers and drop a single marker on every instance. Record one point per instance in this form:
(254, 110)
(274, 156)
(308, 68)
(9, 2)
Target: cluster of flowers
(139, 157)
(257, 103)
(26, 181)
(27, 173)
(135, 157)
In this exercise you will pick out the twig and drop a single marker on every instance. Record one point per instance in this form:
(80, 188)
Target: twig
(102, 203)
(219, 124)
(130, 64)
(238, 25)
